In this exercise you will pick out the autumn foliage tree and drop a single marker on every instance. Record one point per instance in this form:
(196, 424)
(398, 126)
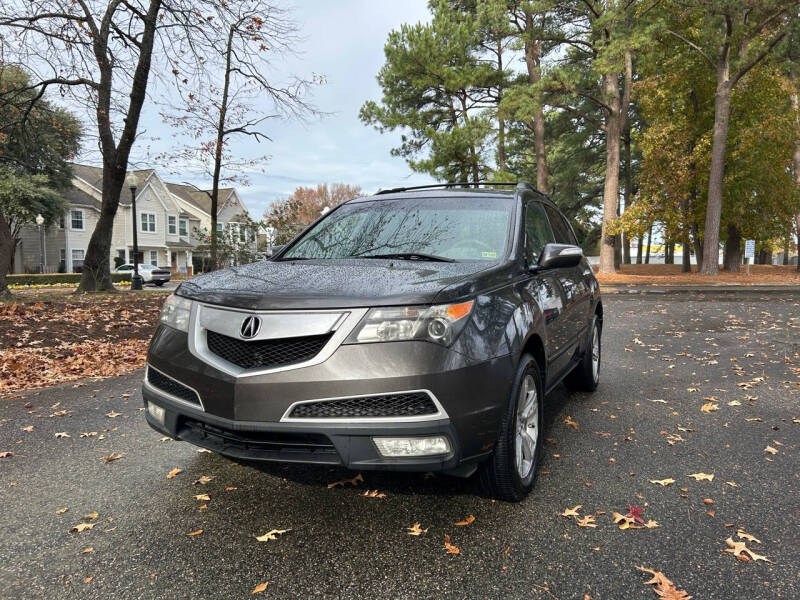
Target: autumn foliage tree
(291, 215)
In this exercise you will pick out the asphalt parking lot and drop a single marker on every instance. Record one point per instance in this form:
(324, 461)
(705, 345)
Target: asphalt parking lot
(689, 385)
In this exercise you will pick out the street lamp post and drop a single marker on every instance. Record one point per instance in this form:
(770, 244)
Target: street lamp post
(39, 223)
(136, 279)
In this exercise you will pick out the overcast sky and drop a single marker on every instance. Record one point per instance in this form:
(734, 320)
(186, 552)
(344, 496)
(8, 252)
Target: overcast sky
(344, 42)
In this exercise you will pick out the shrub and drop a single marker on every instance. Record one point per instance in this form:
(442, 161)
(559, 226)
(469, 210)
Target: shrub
(44, 279)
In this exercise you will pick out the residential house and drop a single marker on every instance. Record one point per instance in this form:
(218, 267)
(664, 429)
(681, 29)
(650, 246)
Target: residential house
(169, 219)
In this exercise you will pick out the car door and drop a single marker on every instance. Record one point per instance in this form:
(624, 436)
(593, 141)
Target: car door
(545, 289)
(577, 294)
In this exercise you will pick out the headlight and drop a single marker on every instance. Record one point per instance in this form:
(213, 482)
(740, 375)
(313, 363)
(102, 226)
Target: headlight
(175, 312)
(440, 324)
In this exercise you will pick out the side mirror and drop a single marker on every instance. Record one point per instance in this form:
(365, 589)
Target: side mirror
(560, 256)
(276, 250)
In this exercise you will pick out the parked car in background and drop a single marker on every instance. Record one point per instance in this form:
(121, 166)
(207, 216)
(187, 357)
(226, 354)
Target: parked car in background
(150, 273)
(412, 330)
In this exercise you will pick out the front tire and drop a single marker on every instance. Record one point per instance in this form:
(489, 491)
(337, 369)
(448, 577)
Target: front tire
(586, 374)
(510, 472)
(159, 283)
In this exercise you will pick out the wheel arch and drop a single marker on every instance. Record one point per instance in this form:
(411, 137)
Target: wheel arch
(535, 347)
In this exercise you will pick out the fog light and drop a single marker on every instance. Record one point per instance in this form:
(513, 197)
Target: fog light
(156, 412)
(412, 446)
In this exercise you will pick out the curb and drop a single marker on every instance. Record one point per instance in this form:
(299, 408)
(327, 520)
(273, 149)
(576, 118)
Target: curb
(622, 289)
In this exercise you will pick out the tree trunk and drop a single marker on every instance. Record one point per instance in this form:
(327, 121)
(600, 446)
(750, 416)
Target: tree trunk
(649, 243)
(501, 124)
(785, 260)
(639, 248)
(96, 274)
(795, 99)
(698, 245)
(611, 185)
(6, 246)
(686, 262)
(533, 54)
(732, 257)
(669, 253)
(722, 110)
(626, 194)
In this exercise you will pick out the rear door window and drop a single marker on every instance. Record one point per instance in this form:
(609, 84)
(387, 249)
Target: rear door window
(561, 229)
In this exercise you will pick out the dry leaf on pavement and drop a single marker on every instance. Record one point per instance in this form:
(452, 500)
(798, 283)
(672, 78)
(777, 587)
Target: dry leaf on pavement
(746, 536)
(87, 550)
(587, 521)
(203, 479)
(771, 450)
(738, 548)
(61, 511)
(664, 588)
(6, 454)
(415, 529)
(92, 515)
(271, 535)
(373, 494)
(194, 533)
(465, 522)
(113, 415)
(202, 497)
(28, 429)
(259, 588)
(450, 547)
(81, 527)
(352, 481)
(112, 457)
(702, 476)
(570, 512)
(662, 482)
(172, 474)
(62, 434)
(570, 423)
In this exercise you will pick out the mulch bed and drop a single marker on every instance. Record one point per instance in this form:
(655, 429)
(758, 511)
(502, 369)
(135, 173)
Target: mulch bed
(48, 339)
(671, 275)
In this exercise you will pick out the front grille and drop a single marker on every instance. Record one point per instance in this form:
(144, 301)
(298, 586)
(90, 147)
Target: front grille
(170, 386)
(410, 404)
(263, 445)
(266, 353)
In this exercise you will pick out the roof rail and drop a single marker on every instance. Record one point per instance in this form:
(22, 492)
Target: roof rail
(521, 185)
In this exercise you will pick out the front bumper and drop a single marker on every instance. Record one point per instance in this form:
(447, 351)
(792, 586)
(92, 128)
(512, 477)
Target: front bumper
(245, 417)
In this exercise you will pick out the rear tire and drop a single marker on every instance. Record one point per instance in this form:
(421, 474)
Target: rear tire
(159, 283)
(586, 374)
(509, 474)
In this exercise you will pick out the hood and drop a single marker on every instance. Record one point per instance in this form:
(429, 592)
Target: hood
(317, 284)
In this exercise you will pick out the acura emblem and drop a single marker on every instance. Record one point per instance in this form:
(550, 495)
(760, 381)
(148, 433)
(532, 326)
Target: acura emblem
(250, 327)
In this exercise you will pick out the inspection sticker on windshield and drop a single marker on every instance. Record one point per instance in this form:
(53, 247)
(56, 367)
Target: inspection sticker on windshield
(488, 254)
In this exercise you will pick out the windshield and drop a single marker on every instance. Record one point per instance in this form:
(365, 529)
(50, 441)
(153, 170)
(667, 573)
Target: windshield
(449, 228)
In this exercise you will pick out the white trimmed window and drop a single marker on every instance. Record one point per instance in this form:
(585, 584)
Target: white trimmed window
(184, 227)
(148, 221)
(77, 258)
(154, 257)
(76, 219)
(172, 225)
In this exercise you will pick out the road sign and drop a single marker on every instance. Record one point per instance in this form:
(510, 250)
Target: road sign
(750, 249)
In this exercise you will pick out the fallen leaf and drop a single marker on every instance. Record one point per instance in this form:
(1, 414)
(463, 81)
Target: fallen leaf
(28, 429)
(635, 513)
(172, 474)
(771, 450)
(87, 579)
(708, 501)
(571, 512)
(204, 451)
(81, 527)
(271, 535)
(737, 548)
(746, 536)
(702, 476)
(194, 533)
(202, 507)
(587, 521)
(709, 407)
(87, 550)
(6, 454)
(352, 481)
(112, 457)
(662, 482)
(203, 479)
(61, 511)
(734, 403)
(465, 522)
(62, 434)
(664, 588)
(202, 497)
(259, 588)
(92, 515)
(88, 434)
(570, 423)
(113, 415)
(373, 494)
(450, 547)
(415, 529)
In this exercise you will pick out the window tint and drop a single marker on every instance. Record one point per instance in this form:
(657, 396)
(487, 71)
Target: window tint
(561, 229)
(537, 231)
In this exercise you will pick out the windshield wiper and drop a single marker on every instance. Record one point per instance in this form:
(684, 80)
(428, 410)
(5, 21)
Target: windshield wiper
(408, 256)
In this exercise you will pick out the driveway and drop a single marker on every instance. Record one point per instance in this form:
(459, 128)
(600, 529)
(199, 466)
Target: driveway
(665, 359)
